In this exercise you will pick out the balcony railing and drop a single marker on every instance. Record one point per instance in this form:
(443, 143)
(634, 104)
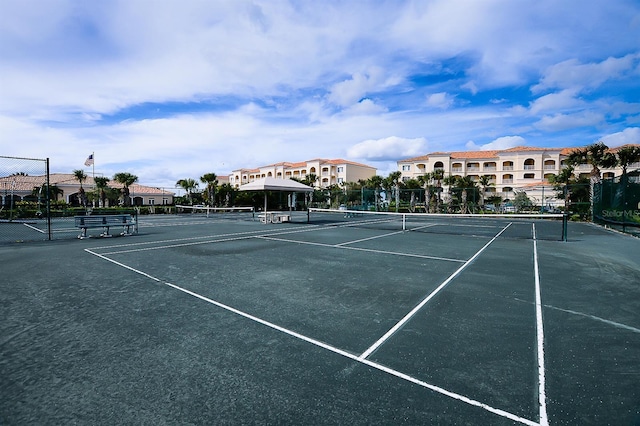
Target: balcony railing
(489, 168)
(507, 180)
(473, 169)
(456, 169)
(529, 167)
(507, 167)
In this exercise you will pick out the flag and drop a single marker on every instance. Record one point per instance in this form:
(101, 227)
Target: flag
(89, 161)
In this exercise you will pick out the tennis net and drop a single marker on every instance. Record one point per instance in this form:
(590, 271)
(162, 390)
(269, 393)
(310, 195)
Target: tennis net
(523, 226)
(216, 212)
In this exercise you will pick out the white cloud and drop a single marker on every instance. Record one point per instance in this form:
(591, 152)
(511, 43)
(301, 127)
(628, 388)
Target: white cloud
(627, 136)
(440, 100)
(575, 75)
(558, 122)
(504, 142)
(390, 148)
(555, 101)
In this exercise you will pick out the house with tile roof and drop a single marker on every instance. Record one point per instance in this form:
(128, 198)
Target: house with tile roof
(328, 172)
(17, 187)
(510, 170)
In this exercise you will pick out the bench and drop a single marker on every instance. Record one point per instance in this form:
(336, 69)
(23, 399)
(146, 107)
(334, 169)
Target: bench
(105, 222)
(271, 217)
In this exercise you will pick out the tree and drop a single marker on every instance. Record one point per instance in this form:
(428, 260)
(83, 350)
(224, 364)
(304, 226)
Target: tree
(375, 183)
(521, 201)
(81, 176)
(101, 184)
(391, 184)
(189, 185)
(450, 181)
(485, 182)
(126, 179)
(596, 155)
(466, 183)
(211, 179)
(626, 156)
(561, 183)
(310, 179)
(425, 182)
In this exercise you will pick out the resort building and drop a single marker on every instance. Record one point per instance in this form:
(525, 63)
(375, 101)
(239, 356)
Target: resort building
(327, 172)
(510, 170)
(21, 188)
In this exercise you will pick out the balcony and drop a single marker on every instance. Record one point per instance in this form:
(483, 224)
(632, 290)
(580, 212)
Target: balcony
(456, 170)
(507, 168)
(507, 180)
(529, 167)
(473, 169)
(490, 168)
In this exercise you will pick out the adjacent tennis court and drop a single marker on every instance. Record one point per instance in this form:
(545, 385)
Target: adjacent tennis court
(331, 318)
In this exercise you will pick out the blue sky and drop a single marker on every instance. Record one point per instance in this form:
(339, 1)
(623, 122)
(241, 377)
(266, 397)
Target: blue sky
(175, 89)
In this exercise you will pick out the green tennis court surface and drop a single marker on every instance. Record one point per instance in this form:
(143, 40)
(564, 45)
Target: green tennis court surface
(205, 319)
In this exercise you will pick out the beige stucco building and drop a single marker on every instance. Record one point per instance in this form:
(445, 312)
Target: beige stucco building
(516, 169)
(18, 187)
(328, 172)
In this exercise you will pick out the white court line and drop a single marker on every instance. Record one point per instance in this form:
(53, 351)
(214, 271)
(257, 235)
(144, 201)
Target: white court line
(407, 317)
(542, 396)
(330, 348)
(593, 317)
(394, 253)
(370, 238)
(34, 228)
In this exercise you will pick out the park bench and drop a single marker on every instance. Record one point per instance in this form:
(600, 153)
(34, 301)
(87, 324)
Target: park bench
(126, 221)
(272, 217)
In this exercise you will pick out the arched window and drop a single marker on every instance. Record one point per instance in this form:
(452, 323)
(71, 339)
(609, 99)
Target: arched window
(507, 165)
(438, 165)
(529, 164)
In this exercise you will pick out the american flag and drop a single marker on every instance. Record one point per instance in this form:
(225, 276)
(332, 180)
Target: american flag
(89, 161)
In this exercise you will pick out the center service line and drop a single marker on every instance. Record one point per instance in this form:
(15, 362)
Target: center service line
(407, 317)
(377, 366)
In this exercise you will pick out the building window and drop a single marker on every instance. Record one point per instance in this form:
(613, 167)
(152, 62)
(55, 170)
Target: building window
(151, 201)
(529, 164)
(549, 164)
(438, 165)
(340, 180)
(507, 178)
(529, 175)
(340, 169)
(406, 167)
(165, 201)
(507, 165)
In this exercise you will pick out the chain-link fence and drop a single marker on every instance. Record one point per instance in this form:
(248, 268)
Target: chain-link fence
(25, 199)
(616, 203)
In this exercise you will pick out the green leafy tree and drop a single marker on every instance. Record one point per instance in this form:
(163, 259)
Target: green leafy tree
(126, 179)
(425, 181)
(521, 201)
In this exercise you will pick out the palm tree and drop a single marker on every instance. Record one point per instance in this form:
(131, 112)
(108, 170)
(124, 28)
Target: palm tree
(437, 175)
(188, 185)
(626, 156)
(485, 182)
(81, 176)
(450, 181)
(101, 183)
(211, 179)
(561, 182)
(597, 155)
(310, 179)
(376, 183)
(126, 179)
(425, 182)
(465, 183)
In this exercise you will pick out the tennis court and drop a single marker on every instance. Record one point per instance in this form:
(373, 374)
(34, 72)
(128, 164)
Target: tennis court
(341, 319)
